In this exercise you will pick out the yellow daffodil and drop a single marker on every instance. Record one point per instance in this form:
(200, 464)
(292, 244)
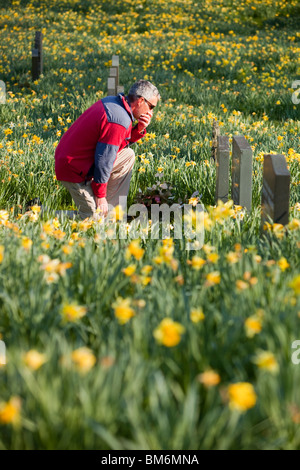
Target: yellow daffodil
(158, 259)
(56, 223)
(266, 360)
(58, 234)
(4, 215)
(283, 264)
(10, 411)
(145, 280)
(209, 378)
(62, 267)
(253, 326)
(241, 285)
(222, 211)
(146, 269)
(166, 252)
(119, 213)
(196, 262)
(73, 312)
(33, 217)
(294, 224)
(36, 209)
(212, 257)
(179, 279)
(123, 310)
(278, 230)
(54, 267)
(168, 332)
(84, 359)
(193, 201)
(242, 396)
(129, 270)
(85, 225)
(253, 281)
(48, 227)
(295, 285)
(213, 278)
(67, 249)
(233, 257)
(26, 243)
(134, 249)
(197, 315)
(34, 360)
(208, 248)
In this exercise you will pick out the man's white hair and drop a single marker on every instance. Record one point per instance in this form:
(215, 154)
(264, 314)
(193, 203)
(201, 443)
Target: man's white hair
(143, 88)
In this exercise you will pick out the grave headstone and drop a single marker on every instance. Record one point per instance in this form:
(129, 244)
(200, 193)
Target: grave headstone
(222, 168)
(120, 89)
(37, 56)
(215, 134)
(115, 64)
(113, 72)
(241, 172)
(113, 86)
(2, 92)
(276, 190)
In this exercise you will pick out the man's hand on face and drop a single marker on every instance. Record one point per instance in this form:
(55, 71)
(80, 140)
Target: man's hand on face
(144, 121)
(102, 206)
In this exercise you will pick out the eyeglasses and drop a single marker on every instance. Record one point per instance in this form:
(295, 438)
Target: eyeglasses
(151, 106)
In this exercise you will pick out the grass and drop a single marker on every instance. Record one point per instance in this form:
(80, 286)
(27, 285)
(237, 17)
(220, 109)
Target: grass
(230, 61)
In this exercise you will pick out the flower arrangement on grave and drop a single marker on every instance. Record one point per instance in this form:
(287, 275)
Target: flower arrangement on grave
(159, 193)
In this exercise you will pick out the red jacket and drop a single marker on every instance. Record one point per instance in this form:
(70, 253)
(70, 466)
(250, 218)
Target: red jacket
(89, 147)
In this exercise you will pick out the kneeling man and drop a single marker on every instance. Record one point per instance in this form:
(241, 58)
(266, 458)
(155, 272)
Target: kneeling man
(93, 159)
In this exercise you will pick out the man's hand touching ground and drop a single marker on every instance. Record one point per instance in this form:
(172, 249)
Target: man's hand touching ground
(102, 205)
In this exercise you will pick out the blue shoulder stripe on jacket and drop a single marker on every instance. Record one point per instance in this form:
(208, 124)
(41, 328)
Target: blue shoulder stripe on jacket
(115, 111)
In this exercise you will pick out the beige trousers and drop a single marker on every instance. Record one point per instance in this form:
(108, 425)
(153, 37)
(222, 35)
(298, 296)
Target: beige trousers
(117, 187)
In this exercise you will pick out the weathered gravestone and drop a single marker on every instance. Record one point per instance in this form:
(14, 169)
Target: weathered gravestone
(2, 92)
(241, 172)
(37, 56)
(222, 168)
(114, 71)
(120, 89)
(276, 190)
(215, 134)
(115, 64)
(113, 87)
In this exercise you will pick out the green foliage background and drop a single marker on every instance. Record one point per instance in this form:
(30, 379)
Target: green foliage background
(234, 61)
